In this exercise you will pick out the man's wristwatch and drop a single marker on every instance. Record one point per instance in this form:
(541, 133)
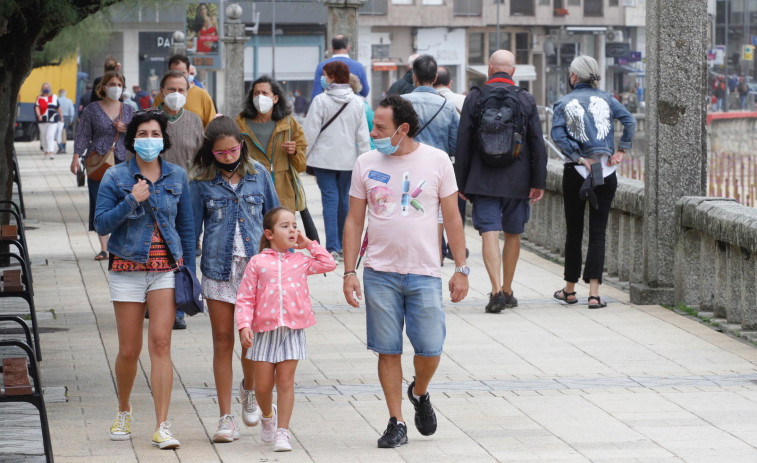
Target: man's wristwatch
(580, 160)
(464, 270)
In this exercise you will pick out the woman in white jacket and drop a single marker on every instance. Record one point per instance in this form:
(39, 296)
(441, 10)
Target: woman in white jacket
(337, 132)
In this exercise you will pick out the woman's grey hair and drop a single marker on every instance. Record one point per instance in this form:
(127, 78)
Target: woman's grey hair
(586, 69)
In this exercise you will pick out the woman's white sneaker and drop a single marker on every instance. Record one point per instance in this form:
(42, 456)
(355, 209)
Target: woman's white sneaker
(228, 429)
(281, 441)
(250, 409)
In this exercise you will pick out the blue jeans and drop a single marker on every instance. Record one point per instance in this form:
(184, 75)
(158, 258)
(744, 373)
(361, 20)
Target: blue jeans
(393, 299)
(335, 200)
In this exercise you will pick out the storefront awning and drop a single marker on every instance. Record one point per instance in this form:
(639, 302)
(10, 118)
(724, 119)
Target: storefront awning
(522, 71)
(384, 66)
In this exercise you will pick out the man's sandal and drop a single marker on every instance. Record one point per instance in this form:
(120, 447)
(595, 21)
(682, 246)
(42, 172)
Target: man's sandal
(598, 305)
(562, 295)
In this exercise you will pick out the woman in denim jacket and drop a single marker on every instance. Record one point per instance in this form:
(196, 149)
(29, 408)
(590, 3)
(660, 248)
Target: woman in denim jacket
(583, 130)
(144, 204)
(231, 193)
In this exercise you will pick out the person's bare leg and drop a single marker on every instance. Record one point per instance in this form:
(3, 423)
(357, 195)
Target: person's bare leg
(103, 239)
(510, 254)
(162, 314)
(425, 367)
(492, 258)
(129, 323)
(390, 376)
(224, 332)
(264, 380)
(285, 391)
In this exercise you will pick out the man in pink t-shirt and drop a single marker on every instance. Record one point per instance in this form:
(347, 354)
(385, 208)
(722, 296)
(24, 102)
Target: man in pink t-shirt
(401, 187)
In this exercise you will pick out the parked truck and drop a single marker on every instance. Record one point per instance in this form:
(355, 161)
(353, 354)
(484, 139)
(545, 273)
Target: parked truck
(61, 76)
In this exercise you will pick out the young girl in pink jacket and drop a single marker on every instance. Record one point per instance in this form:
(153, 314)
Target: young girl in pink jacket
(273, 307)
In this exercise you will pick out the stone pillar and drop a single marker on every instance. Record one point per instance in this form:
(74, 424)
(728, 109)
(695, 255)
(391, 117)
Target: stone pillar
(676, 157)
(342, 19)
(234, 40)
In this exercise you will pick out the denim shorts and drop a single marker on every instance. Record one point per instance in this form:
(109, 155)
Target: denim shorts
(500, 214)
(134, 286)
(393, 299)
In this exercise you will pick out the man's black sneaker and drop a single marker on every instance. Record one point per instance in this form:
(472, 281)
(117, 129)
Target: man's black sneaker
(179, 323)
(425, 418)
(496, 302)
(394, 436)
(508, 300)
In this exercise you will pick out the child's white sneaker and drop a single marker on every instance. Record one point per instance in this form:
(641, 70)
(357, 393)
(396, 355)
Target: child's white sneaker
(268, 427)
(250, 409)
(281, 441)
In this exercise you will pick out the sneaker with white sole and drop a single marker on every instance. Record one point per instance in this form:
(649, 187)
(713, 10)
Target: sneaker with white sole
(250, 410)
(163, 438)
(268, 427)
(121, 427)
(228, 429)
(281, 441)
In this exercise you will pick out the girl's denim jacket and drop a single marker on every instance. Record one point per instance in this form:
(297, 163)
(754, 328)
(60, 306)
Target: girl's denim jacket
(130, 223)
(584, 120)
(220, 208)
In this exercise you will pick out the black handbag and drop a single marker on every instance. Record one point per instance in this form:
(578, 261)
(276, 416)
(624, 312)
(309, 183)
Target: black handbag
(187, 291)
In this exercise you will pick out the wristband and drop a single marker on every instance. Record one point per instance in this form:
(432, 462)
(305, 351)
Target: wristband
(349, 274)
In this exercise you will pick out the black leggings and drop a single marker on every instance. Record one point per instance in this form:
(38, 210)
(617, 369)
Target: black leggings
(574, 225)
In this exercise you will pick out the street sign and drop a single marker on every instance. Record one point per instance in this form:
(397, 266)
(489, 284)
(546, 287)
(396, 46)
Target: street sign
(754, 40)
(617, 50)
(747, 53)
(634, 56)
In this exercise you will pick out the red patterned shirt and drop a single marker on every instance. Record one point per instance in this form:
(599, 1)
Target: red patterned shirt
(158, 260)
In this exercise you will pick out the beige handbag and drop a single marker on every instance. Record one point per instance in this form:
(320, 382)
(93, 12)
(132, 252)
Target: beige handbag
(97, 163)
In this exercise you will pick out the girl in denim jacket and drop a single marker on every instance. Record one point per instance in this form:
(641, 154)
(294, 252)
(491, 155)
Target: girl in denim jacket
(274, 303)
(231, 193)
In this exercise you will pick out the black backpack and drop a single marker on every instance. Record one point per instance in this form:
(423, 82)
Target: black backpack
(499, 125)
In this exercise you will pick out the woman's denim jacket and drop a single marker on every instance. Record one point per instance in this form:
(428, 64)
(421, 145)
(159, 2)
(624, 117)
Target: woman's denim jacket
(584, 120)
(220, 208)
(130, 223)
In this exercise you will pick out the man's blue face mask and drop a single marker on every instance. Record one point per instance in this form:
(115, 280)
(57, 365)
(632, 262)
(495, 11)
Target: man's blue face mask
(384, 145)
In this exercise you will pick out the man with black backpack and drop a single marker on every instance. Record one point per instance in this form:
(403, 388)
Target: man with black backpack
(501, 166)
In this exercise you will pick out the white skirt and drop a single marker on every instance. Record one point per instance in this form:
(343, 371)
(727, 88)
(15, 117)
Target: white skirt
(225, 291)
(278, 345)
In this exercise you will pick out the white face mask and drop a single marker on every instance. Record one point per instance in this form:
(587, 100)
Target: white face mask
(262, 103)
(191, 78)
(175, 101)
(114, 93)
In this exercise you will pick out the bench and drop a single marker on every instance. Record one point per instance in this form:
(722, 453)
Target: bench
(15, 283)
(17, 181)
(21, 380)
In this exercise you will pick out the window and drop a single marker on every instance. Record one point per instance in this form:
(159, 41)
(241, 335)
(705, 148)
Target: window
(504, 41)
(377, 7)
(544, 2)
(574, 2)
(521, 48)
(476, 48)
(433, 2)
(522, 7)
(593, 7)
(613, 3)
(402, 2)
(467, 8)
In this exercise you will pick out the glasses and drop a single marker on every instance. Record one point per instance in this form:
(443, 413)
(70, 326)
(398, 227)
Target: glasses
(229, 152)
(148, 111)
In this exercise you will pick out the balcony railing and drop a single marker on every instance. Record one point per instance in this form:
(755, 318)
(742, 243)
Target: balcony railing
(374, 7)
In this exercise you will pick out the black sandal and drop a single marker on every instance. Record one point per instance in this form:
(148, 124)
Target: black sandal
(102, 255)
(598, 305)
(565, 295)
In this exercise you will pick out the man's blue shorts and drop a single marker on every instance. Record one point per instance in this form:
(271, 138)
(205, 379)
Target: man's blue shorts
(393, 299)
(500, 214)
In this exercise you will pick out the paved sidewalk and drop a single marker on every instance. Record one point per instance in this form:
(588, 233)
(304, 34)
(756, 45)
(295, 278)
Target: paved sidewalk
(544, 382)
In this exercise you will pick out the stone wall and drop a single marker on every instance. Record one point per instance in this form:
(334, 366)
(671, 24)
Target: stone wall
(715, 258)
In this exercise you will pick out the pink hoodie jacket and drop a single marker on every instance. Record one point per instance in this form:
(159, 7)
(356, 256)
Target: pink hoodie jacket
(274, 289)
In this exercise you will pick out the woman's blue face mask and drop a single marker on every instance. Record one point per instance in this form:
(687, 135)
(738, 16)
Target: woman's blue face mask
(148, 149)
(384, 145)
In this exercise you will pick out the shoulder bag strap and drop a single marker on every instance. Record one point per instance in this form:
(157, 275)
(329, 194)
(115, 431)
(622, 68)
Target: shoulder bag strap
(334, 117)
(120, 117)
(432, 117)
